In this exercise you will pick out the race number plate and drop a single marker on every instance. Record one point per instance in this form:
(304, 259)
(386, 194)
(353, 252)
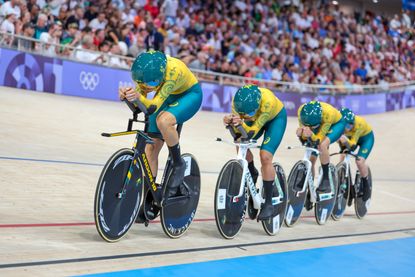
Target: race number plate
(221, 199)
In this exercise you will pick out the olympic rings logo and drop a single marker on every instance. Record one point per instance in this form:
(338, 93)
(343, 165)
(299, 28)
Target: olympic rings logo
(89, 80)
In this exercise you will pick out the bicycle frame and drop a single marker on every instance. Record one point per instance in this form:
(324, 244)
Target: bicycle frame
(347, 161)
(309, 180)
(141, 140)
(243, 148)
(246, 176)
(140, 157)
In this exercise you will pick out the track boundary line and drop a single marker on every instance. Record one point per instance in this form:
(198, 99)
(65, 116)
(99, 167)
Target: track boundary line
(161, 169)
(190, 250)
(76, 224)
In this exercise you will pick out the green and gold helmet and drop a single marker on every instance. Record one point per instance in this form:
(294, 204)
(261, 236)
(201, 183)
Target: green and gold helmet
(311, 113)
(247, 100)
(347, 115)
(149, 68)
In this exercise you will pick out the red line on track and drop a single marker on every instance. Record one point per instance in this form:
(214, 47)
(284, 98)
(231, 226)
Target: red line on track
(33, 225)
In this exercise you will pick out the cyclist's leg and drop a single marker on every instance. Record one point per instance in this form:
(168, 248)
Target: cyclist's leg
(313, 159)
(251, 166)
(365, 147)
(152, 153)
(274, 131)
(250, 159)
(180, 108)
(334, 135)
(153, 150)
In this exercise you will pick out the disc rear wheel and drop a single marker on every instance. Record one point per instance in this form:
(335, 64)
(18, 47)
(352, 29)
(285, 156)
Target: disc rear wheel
(342, 192)
(273, 225)
(361, 207)
(177, 214)
(324, 206)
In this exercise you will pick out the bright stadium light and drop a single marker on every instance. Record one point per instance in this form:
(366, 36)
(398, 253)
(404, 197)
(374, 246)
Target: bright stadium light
(335, 3)
(375, 1)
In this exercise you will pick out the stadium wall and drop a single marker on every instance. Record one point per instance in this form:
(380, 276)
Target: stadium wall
(53, 75)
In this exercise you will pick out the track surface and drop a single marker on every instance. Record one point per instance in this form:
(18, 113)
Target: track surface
(51, 154)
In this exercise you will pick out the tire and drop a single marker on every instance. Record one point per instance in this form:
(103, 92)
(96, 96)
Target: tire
(296, 202)
(177, 217)
(230, 212)
(114, 216)
(324, 208)
(361, 207)
(342, 193)
(272, 226)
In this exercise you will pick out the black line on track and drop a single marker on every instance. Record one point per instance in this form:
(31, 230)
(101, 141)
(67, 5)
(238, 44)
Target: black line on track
(161, 169)
(178, 251)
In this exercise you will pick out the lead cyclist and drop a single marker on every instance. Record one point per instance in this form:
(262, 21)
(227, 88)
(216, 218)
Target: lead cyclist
(178, 97)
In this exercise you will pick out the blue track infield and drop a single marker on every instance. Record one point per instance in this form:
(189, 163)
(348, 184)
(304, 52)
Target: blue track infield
(382, 258)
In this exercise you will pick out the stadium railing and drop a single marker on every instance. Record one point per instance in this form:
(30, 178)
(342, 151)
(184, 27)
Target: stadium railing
(28, 44)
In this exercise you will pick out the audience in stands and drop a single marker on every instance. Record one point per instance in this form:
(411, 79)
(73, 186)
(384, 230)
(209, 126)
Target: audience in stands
(287, 41)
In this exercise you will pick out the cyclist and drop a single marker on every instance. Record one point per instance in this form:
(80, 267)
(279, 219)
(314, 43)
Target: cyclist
(358, 133)
(178, 97)
(324, 125)
(259, 112)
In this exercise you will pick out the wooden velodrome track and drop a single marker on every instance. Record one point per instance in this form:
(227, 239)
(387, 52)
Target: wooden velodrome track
(51, 154)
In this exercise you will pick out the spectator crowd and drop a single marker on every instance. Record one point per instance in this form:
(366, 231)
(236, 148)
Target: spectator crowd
(291, 41)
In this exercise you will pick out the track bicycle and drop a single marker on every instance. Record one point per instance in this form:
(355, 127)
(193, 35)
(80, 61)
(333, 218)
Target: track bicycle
(235, 188)
(301, 185)
(126, 190)
(349, 190)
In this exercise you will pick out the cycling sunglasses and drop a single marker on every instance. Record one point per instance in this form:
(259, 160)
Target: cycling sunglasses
(251, 114)
(312, 126)
(153, 84)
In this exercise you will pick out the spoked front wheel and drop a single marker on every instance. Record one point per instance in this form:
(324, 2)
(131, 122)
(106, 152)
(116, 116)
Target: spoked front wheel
(116, 205)
(296, 199)
(230, 210)
(177, 215)
(361, 207)
(344, 181)
(273, 225)
(325, 202)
